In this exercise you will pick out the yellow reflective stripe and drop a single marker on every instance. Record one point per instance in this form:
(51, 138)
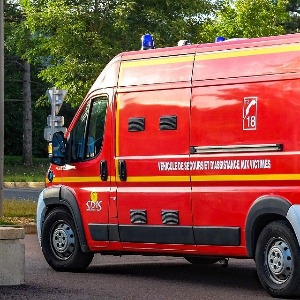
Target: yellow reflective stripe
(247, 52)
(206, 178)
(264, 177)
(157, 179)
(81, 179)
(152, 61)
(157, 61)
(211, 55)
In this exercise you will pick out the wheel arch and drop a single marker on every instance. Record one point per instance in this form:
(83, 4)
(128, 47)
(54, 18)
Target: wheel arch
(263, 211)
(61, 196)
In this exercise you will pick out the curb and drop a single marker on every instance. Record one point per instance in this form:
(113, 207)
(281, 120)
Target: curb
(29, 228)
(36, 185)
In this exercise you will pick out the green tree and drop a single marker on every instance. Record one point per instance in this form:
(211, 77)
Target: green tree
(248, 18)
(16, 39)
(74, 39)
(169, 21)
(293, 25)
(18, 87)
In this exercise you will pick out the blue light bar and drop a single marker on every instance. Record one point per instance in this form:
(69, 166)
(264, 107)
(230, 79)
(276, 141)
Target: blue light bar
(147, 42)
(220, 39)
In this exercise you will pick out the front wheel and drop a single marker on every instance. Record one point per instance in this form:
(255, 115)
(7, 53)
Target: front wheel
(60, 244)
(277, 259)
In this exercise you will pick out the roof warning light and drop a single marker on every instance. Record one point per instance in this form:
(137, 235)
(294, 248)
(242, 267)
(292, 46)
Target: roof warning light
(147, 42)
(220, 39)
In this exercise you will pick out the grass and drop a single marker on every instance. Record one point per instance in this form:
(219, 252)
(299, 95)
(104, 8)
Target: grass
(16, 171)
(18, 212)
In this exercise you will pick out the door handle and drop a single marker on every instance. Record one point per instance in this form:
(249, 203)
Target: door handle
(122, 170)
(103, 170)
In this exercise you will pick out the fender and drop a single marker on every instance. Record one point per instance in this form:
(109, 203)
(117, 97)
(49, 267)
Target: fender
(62, 196)
(264, 210)
(293, 216)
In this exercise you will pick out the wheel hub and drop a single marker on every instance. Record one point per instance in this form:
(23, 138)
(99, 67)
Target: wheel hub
(63, 240)
(279, 261)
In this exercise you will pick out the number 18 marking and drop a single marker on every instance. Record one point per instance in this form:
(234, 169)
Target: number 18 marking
(250, 113)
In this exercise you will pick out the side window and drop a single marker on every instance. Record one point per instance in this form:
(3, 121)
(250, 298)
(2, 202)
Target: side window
(87, 135)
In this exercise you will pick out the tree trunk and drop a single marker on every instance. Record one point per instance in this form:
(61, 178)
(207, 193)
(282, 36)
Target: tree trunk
(27, 116)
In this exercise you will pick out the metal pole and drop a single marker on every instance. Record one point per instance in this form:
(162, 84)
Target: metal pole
(53, 112)
(1, 104)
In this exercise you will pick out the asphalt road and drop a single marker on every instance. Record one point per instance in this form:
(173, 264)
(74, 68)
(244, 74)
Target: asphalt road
(21, 193)
(135, 277)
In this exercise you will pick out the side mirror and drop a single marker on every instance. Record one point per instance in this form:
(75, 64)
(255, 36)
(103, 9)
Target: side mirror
(58, 149)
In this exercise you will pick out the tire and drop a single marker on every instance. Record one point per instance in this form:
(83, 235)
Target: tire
(201, 260)
(60, 243)
(277, 259)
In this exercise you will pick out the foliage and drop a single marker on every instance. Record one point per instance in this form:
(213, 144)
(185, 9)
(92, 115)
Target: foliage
(13, 110)
(69, 42)
(293, 25)
(248, 18)
(17, 38)
(16, 171)
(169, 21)
(74, 40)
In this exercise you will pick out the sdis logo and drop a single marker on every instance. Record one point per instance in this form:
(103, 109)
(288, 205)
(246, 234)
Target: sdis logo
(94, 204)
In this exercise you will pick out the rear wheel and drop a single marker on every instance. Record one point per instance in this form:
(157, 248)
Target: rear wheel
(277, 260)
(60, 244)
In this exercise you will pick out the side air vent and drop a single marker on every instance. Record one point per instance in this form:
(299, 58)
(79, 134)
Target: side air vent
(138, 216)
(170, 217)
(136, 124)
(168, 123)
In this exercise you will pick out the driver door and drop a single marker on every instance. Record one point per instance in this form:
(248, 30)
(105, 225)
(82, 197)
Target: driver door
(90, 163)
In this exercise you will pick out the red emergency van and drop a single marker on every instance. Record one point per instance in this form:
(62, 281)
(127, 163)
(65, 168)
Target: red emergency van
(189, 151)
